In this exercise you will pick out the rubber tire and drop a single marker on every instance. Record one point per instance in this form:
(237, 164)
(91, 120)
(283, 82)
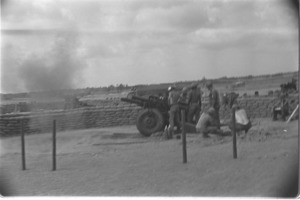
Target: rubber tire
(155, 121)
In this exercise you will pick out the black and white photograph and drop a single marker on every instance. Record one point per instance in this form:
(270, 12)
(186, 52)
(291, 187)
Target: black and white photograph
(149, 98)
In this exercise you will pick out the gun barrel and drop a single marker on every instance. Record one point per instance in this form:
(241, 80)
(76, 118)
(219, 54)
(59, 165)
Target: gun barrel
(137, 102)
(151, 102)
(140, 98)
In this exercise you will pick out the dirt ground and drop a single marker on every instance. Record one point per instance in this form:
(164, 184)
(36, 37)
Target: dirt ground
(120, 162)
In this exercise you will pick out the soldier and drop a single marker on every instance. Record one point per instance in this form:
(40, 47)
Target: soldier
(194, 101)
(242, 122)
(173, 98)
(183, 101)
(206, 124)
(282, 109)
(214, 101)
(183, 96)
(229, 99)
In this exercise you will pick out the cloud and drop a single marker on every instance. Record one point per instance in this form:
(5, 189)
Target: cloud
(179, 18)
(146, 15)
(260, 39)
(23, 14)
(122, 38)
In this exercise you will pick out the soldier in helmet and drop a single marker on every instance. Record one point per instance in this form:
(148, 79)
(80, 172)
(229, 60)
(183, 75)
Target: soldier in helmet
(194, 101)
(173, 98)
(214, 101)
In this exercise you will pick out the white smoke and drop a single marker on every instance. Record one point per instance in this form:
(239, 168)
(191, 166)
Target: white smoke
(54, 69)
(11, 59)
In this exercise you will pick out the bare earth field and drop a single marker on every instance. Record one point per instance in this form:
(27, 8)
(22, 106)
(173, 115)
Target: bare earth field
(120, 162)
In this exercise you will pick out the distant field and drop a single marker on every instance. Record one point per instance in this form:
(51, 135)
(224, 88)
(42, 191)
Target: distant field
(262, 84)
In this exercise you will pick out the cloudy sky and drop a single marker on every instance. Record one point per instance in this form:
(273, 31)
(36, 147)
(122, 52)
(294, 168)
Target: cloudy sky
(56, 44)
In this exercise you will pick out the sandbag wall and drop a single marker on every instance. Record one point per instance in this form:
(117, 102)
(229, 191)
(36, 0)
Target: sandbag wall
(116, 114)
(257, 107)
(10, 124)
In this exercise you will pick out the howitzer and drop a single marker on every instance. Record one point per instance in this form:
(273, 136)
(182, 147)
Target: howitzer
(155, 114)
(154, 117)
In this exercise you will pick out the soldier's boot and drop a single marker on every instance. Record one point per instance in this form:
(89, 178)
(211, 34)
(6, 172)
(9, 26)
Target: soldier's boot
(170, 132)
(283, 115)
(166, 133)
(274, 116)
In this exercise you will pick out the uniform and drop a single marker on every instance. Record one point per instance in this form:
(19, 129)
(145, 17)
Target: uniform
(183, 96)
(194, 101)
(174, 108)
(282, 109)
(214, 102)
(206, 123)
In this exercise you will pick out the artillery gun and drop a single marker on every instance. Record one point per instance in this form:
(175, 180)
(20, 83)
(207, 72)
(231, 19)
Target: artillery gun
(155, 114)
(154, 117)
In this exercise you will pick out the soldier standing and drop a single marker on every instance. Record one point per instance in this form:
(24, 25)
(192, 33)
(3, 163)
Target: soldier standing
(214, 101)
(183, 96)
(282, 108)
(194, 101)
(174, 108)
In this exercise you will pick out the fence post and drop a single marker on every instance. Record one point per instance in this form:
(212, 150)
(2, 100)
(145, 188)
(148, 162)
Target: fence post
(234, 134)
(184, 156)
(23, 145)
(54, 145)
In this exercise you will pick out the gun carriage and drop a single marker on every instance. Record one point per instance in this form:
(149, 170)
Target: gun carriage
(154, 117)
(155, 114)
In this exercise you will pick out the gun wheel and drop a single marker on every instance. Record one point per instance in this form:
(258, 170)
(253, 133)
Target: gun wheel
(149, 121)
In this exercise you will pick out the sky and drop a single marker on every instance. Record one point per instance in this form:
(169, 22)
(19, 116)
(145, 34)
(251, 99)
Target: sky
(60, 44)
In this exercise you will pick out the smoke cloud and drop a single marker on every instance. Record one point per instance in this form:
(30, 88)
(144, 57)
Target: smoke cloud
(56, 68)
(11, 59)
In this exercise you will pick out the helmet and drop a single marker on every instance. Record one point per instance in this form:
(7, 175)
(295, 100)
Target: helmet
(209, 84)
(170, 88)
(194, 85)
(211, 111)
(235, 106)
(184, 90)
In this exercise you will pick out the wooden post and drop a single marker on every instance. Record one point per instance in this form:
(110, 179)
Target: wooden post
(54, 145)
(234, 134)
(293, 113)
(184, 156)
(23, 145)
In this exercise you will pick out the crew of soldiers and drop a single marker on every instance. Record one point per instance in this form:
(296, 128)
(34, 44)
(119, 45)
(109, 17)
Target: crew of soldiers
(189, 98)
(180, 99)
(209, 121)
